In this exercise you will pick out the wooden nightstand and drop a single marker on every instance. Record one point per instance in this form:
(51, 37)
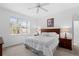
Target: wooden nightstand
(65, 43)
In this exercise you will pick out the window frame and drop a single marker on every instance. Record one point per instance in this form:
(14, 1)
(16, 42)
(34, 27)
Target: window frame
(18, 20)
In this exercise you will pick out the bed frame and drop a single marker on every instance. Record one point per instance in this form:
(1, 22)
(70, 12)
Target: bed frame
(57, 30)
(43, 30)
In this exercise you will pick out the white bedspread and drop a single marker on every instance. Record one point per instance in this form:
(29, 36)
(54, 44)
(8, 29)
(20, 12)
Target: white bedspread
(45, 44)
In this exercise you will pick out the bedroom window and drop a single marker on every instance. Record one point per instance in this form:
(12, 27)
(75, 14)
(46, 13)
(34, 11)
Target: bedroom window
(19, 25)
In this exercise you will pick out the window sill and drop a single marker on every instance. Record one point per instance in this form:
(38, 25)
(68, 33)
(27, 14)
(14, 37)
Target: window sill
(18, 34)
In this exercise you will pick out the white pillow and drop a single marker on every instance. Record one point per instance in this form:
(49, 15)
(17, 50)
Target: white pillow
(44, 34)
(49, 34)
(53, 34)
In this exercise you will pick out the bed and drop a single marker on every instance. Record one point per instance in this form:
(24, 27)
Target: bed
(45, 43)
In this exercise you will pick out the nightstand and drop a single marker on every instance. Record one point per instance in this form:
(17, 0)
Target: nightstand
(65, 43)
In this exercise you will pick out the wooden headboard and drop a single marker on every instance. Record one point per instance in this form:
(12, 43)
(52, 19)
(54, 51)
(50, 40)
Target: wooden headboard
(57, 30)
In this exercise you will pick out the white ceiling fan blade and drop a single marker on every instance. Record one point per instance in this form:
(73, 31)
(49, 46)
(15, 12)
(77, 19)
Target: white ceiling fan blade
(43, 9)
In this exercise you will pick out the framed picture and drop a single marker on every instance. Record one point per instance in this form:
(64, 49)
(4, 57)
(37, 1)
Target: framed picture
(50, 22)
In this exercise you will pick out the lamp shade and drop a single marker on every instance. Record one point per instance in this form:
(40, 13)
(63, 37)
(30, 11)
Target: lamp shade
(65, 29)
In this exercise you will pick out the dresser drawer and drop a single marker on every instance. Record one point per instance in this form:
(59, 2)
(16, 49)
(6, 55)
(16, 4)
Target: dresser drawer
(65, 43)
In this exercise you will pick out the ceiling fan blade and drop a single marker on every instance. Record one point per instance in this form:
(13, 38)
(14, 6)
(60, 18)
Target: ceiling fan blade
(37, 10)
(43, 9)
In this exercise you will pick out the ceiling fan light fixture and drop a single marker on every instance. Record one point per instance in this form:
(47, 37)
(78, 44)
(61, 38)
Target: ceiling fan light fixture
(40, 6)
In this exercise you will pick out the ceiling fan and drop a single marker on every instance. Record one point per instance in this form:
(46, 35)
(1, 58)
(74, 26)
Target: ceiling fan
(40, 6)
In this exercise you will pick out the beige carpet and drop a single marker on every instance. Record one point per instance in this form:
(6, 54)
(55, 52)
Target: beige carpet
(20, 50)
(66, 52)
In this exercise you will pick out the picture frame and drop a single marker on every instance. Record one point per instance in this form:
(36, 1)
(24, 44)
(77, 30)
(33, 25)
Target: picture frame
(50, 22)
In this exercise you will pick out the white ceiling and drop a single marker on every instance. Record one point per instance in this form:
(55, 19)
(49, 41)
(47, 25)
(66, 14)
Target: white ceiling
(52, 8)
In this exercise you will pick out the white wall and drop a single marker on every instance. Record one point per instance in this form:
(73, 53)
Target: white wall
(4, 27)
(63, 18)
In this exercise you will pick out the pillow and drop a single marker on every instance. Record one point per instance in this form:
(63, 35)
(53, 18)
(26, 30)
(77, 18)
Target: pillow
(44, 34)
(52, 34)
(49, 34)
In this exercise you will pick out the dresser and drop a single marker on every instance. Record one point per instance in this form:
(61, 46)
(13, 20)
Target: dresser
(1, 43)
(65, 43)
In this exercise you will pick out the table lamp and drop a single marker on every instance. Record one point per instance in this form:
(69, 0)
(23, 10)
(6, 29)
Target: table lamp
(65, 30)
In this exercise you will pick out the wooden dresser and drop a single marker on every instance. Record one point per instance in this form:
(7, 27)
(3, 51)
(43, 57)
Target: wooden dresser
(65, 43)
(1, 43)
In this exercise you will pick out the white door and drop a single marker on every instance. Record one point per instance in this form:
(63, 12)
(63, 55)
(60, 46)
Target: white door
(76, 32)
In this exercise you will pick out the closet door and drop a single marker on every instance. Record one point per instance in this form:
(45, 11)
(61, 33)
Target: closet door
(76, 32)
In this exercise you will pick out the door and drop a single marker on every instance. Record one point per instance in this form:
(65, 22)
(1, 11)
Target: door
(76, 32)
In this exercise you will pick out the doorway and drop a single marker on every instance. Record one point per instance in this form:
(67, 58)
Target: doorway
(76, 32)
